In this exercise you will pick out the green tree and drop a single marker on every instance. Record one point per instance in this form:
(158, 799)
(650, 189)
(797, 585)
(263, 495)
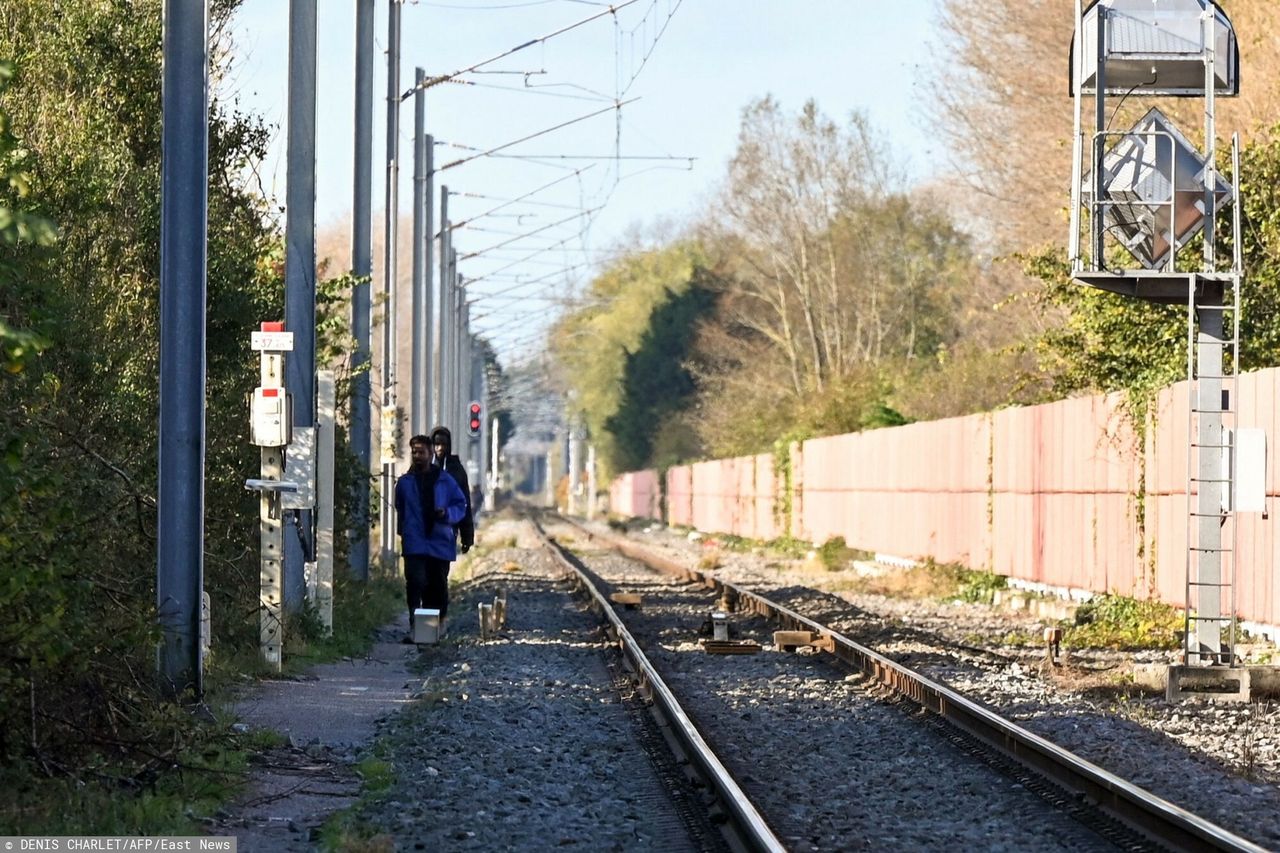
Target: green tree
(652, 427)
(77, 505)
(591, 344)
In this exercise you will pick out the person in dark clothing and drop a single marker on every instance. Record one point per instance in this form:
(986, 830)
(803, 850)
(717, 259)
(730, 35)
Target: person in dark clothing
(429, 505)
(442, 456)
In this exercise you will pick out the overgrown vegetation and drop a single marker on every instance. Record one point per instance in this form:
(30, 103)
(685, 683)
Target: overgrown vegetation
(86, 742)
(1119, 622)
(359, 608)
(347, 830)
(931, 580)
(835, 554)
(96, 802)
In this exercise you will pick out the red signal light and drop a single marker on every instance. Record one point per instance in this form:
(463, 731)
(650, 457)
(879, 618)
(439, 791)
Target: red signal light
(473, 424)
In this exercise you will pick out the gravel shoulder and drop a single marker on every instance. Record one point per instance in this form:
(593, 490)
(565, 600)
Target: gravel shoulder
(522, 741)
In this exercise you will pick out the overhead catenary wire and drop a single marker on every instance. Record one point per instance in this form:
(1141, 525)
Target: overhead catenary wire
(494, 297)
(690, 160)
(551, 204)
(519, 285)
(645, 37)
(527, 234)
(521, 198)
(652, 45)
(525, 281)
(535, 254)
(537, 334)
(534, 90)
(444, 78)
(615, 106)
(505, 310)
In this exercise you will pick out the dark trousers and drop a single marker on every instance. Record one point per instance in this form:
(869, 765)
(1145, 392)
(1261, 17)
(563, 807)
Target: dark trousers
(426, 584)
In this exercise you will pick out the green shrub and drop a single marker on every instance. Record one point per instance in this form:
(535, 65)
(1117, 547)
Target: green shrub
(979, 587)
(1120, 622)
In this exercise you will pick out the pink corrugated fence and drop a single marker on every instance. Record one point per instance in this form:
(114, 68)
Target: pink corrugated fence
(635, 495)
(1067, 494)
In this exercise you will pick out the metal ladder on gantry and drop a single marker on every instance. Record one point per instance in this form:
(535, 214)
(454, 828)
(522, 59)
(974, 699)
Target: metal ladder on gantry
(1144, 194)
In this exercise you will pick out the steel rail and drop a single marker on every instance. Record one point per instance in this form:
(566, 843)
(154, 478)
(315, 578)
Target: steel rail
(748, 826)
(1139, 809)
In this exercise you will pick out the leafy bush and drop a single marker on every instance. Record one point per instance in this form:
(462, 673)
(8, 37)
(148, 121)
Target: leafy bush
(1120, 622)
(979, 587)
(835, 554)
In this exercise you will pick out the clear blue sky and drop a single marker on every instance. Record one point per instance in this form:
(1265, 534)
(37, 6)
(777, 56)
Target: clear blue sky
(714, 57)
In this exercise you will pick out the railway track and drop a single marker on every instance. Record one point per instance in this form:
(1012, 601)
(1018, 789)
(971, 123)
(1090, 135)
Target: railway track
(802, 731)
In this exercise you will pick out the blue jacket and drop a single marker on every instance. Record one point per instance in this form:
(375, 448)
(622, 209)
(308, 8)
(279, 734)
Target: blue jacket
(415, 539)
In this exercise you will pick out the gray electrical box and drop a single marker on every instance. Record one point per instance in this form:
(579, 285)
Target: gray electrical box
(300, 469)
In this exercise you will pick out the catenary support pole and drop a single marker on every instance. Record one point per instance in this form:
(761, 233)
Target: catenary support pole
(446, 341)
(591, 482)
(481, 385)
(549, 481)
(300, 265)
(389, 272)
(428, 266)
(575, 465)
(491, 495)
(455, 416)
(361, 436)
(441, 313)
(183, 257)
(419, 414)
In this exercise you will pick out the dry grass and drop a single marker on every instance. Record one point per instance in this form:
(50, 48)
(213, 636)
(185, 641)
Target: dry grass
(920, 582)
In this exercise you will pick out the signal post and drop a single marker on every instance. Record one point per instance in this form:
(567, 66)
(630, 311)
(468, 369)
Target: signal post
(270, 428)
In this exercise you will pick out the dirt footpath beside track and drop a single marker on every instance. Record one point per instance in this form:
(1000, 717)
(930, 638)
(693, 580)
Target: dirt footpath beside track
(329, 716)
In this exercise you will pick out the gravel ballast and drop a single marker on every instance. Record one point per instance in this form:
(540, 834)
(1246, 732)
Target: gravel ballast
(1220, 761)
(832, 761)
(530, 739)
(521, 742)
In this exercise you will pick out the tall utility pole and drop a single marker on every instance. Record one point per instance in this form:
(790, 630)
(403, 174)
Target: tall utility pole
(442, 311)
(420, 415)
(455, 345)
(465, 392)
(575, 464)
(591, 482)
(300, 263)
(466, 389)
(362, 268)
(183, 261)
(389, 272)
(491, 493)
(453, 416)
(480, 391)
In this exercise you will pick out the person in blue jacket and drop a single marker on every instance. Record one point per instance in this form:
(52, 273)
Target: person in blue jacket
(429, 505)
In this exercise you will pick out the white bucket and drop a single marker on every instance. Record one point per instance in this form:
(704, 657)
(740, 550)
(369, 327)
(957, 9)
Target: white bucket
(426, 626)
